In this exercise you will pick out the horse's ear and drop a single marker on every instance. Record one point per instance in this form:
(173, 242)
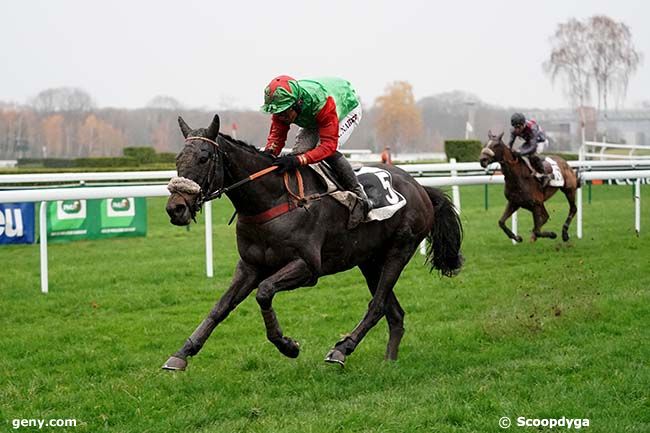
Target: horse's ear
(490, 133)
(185, 129)
(213, 129)
(500, 136)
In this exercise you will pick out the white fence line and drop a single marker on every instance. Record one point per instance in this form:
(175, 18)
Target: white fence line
(44, 195)
(584, 150)
(53, 194)
(84, 193)
(421, 169)
(165, 175)
(85, 177)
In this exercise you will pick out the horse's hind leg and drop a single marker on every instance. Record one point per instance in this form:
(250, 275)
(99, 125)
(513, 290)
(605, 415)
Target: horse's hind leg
(540, 217)
(244, 281)
(393, 311)
(397, 257)
(571, 198)
(510, 209)
(395, 317)
(295, 274)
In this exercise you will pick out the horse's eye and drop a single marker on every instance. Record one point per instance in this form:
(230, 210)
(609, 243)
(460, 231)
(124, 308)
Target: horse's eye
(204, 156)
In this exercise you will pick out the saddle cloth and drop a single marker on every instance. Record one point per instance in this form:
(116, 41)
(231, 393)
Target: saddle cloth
(378, 185)
(557, 178)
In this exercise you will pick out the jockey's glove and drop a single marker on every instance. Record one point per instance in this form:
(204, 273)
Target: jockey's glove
(287, 163)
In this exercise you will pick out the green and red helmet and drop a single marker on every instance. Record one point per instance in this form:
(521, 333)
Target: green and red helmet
(281, 93)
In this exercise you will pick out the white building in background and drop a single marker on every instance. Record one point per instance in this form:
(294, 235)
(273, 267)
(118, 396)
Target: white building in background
(622, 126)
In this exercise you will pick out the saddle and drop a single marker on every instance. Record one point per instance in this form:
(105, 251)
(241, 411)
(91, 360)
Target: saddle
(548, 167)
(551, 168)
(378, 185)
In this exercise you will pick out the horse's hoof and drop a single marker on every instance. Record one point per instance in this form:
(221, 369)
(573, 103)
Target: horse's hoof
(552, 235)
(175, 364)
(289, 348)
(565, 236)
(335, 357)
(519, 239)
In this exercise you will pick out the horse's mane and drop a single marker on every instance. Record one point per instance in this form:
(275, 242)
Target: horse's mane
(245, 146)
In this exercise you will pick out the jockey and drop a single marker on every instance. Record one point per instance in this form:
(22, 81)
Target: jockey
(327, 110)
(534, 142)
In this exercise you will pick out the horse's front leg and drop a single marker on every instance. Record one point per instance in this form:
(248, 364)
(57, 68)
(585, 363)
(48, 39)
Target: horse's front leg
(510, 209)
(293, 275)
(244, 281)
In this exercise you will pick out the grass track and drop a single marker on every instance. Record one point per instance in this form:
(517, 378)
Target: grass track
(540, 330)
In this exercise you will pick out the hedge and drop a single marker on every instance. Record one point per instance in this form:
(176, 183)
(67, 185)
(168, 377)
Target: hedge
(46, 162)
(143, 155)
(566, 156)
(118, 161)
(166, 157)
(463, 150)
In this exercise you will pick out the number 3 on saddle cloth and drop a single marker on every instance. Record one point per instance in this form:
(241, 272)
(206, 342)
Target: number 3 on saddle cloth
(377, 183)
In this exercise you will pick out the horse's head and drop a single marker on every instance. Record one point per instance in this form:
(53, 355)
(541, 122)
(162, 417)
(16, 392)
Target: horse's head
(200, 172)
(493, 151)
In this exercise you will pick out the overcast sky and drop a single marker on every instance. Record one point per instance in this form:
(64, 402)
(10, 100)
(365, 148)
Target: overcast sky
(211, 53)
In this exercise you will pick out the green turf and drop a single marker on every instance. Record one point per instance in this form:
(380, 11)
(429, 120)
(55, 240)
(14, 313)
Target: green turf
(541, 330)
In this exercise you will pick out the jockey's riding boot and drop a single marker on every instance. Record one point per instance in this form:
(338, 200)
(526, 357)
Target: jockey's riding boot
(538, 165)
(365, 201)
(348, 180)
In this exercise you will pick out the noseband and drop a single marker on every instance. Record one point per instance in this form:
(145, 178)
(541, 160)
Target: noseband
(487, 151)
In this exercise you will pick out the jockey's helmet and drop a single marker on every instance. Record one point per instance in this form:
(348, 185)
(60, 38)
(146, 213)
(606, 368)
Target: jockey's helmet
(281, 93)
(517, 119)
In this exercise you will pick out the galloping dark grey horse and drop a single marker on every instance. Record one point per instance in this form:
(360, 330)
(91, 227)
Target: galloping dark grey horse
(284, 247)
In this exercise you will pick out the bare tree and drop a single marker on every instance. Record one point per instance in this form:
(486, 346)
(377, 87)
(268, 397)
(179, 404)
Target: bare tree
(62, 99)
(613, 57)
(164, 102)
(569, 61)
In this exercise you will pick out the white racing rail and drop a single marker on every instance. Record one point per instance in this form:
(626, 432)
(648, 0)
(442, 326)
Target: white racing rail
(590, 150)
(461, 174)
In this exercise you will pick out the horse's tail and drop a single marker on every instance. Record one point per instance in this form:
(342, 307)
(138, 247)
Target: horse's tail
(445, 236)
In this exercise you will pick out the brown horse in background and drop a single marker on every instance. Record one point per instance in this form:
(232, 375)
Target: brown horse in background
(523, 190)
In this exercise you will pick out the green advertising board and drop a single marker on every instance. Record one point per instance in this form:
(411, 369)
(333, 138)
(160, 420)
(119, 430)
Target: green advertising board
(96, 219)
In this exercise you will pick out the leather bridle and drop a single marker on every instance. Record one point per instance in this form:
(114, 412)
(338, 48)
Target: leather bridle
(204, 193)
